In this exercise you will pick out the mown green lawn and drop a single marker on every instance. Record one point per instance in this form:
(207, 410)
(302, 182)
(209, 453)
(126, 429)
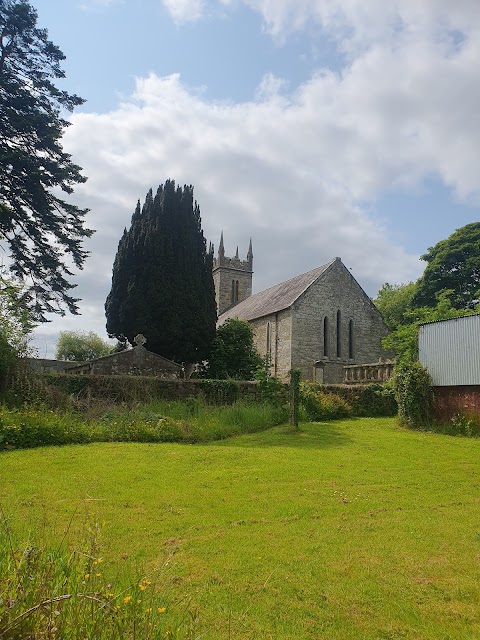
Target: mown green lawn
(345, 530)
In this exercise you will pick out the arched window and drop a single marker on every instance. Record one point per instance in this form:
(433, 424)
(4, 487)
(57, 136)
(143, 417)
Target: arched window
(234, 291)
(325, 337)
(269, 339)
(339, 334)
(350, 339)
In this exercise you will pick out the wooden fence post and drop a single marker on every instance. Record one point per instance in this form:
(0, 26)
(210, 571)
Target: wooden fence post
(295, 376)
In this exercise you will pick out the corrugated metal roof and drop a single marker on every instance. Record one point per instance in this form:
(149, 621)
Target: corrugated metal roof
(450, 349)
(277, 298)
(422, 324)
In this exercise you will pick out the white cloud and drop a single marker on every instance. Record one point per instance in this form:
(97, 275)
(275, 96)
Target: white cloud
(366, 21)
(185, 10)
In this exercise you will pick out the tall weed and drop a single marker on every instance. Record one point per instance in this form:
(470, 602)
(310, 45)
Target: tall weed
(190, 421)
(59, 593)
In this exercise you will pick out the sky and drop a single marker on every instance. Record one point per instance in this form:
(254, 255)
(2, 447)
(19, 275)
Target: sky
(319, 128)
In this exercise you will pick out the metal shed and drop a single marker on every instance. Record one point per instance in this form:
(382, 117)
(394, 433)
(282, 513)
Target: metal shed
(450, 349)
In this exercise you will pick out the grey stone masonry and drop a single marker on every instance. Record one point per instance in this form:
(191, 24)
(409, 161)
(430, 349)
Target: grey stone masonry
(336, 324)
(137, 361)
(232, 278)
(366, 373)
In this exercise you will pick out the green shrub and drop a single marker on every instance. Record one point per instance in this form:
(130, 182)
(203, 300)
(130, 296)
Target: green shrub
(366, 400)
(375, 400)
(272, 390)
(414, 394)
(317, 405)
(461, 424)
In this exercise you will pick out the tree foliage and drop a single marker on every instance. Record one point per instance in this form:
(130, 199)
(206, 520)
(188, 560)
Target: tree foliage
(16, 324)
(81, 346)
(448, 288)
(44, 233)
(393, 301)
(403, 340)
(162, 284)
(452, 264)
(233, 353)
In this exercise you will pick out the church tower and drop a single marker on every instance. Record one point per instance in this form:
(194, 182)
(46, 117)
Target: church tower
(232, 278)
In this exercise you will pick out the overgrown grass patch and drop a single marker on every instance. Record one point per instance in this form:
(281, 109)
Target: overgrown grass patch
(188, 421)
(64, 592)
(343, 530)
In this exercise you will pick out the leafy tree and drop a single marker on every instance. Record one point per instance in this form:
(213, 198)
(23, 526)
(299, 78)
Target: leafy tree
(453, 264)
(44, 233)
(233, 353)
(16, 324)
(162, 284)
(403, 341)
(81, 346)
(393, 301)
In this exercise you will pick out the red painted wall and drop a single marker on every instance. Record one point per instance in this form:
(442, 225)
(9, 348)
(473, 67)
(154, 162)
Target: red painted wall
(450, 401)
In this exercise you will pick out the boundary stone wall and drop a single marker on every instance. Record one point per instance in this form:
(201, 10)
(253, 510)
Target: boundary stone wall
(146, 388)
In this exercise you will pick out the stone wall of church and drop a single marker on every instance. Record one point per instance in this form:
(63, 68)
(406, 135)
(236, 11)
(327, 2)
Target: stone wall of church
(273, 333)
(233, 283)
(335, 291)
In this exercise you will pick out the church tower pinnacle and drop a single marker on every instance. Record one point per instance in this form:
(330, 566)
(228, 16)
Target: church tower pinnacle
(232, 277)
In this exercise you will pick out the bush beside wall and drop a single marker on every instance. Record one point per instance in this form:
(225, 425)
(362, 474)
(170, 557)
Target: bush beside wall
(414, 393)
(368, 400)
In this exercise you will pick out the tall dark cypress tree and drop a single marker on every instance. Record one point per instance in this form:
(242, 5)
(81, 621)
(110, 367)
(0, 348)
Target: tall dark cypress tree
(162, 284)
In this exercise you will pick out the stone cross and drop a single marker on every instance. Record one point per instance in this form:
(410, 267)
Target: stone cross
(140, 340)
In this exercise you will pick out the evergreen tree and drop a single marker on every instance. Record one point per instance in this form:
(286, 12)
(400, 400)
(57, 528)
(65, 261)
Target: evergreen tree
(162, 284)
(44, 233)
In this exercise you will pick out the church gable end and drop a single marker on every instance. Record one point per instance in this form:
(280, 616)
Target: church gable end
(335, 323)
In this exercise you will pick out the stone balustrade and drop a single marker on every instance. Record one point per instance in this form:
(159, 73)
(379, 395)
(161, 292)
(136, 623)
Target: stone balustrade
(380, 371)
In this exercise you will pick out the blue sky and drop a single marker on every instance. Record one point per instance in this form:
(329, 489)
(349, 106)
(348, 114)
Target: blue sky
(320, 128)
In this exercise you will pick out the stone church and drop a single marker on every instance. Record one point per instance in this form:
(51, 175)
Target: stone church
(317, 322)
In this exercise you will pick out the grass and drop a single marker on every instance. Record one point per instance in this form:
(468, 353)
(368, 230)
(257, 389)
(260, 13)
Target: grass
(345, 530)
(189, 421)
(62, 593)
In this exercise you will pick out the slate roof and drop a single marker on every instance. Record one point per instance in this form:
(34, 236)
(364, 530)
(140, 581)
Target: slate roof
(277, 298)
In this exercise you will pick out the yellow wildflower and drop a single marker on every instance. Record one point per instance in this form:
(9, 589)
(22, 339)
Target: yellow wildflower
(161, 610)
(142, 587)
(127, 599)
(86, 576)
(149, 610)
